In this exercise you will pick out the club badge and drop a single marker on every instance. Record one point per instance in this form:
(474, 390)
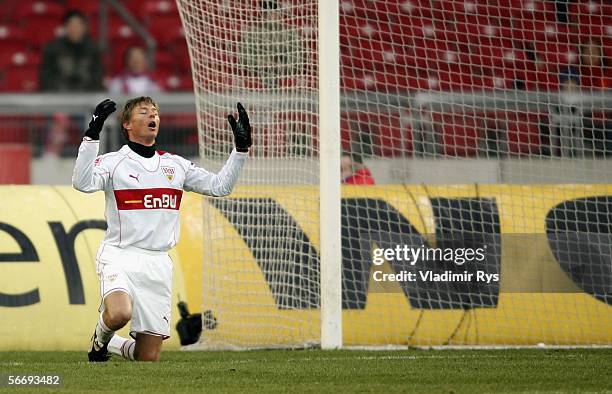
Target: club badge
(168, 172)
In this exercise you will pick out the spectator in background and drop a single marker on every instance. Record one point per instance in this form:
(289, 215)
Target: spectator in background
(72, 62)
(569, 80)
(353, 171)
(592, 74)
(596, 74)
(272, 50)
(135, 79)
(57, 136)
(567, 139)
(595, 68)
(594, 71)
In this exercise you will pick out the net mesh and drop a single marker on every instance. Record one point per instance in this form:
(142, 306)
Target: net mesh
(474, 124)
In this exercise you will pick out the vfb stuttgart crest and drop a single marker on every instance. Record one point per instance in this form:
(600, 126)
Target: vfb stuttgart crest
(168, 172)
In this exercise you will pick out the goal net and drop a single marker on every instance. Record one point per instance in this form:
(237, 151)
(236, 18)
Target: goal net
(476, 201)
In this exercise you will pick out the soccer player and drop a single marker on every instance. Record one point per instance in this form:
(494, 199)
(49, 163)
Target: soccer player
(143, 189)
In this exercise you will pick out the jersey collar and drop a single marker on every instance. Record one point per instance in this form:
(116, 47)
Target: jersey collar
(142, 150)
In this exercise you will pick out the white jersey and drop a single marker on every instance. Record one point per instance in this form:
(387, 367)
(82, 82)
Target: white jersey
(143, 195)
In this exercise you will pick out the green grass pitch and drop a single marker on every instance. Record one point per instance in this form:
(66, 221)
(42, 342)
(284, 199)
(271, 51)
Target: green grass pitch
(421, 371)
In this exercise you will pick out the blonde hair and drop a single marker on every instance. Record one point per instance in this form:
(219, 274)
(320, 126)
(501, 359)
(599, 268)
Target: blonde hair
(126, 112)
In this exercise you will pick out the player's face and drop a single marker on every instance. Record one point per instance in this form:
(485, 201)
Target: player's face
(144, 124)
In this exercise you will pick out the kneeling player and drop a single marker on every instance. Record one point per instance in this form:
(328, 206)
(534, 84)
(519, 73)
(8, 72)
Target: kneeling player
(143, 189)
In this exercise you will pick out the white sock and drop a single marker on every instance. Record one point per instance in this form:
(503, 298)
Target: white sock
(122, 347)
(103, 333)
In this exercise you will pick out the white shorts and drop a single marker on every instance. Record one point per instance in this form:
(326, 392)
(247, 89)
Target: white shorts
(146, 276)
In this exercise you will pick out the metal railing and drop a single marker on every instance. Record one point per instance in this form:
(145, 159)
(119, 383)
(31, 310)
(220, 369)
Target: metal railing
(36, 115)
(29, 119)
(566, 111)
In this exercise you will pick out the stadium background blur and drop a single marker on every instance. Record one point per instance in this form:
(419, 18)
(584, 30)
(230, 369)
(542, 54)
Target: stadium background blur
(391, 47)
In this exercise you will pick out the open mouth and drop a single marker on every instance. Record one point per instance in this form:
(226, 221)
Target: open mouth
(152, 125)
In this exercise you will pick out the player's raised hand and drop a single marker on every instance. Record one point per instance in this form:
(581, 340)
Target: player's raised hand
(102, 111)
(241, 129)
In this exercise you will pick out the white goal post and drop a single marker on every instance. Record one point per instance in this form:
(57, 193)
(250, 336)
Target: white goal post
(450, 128)
(329, 178)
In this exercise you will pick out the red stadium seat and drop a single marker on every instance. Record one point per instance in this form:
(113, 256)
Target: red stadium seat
(390, 77)
(26, 9)
(11, 33)
(26, 58)
(171, 81)
(382, 80)
(393, 139)
(520, 131)
(135, 7)
(606, 8)
(459, 132)
(490, 53)
(390, 80)
(541, 77)
(374, 11)
(514, 58)
(416, 8)
(503, 80)
(375, 134)
(272, 140)
(348, 29)
(293, 133)
(118, 29)
(40, 31)
(167, 30)
(14, 130)
(523, 132)
(389, 9)
(347, 7)
(557, 53)
(160, 7)
(459, 79)
(438, 10)
(480, 25)
(8, 50)
(164, 60)
(181, 56)
(593, 25)
(357, 79)
(431, 54)
(412, 26)
(6, 9)
(89, 8)
(15, 163)
(495, 8)
(579, 9)
(369, 55)
(533, 30)
(417, 79)
(538, 10)
(20, 79)
(354, 27)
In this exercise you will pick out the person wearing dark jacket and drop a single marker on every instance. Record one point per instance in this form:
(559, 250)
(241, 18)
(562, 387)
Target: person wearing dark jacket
(71, 63)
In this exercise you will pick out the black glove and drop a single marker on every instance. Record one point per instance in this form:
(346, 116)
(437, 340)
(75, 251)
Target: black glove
(102, 111)
(241, 129)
